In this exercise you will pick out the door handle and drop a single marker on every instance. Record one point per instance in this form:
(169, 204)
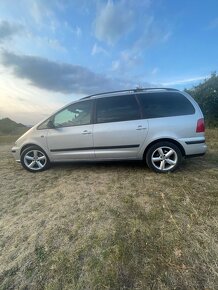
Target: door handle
(86, 132)
(141, 128)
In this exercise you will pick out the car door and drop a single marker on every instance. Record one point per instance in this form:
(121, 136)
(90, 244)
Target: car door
(71, 137)
(119, 131)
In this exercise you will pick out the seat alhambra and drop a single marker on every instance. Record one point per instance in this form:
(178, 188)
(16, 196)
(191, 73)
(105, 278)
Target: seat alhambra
(160, 126)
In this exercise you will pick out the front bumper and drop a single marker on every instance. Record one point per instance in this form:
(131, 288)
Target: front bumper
(16, 153)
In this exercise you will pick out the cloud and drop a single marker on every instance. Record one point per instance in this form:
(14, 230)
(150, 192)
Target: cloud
(153, 34)
(185, 81)
(59, 77)
(117, 18)
(36, 12)
(113, 21)
(76, 30)
(55, 44)
(213, 24)
(43, 14)
(155, 70)
(8, 30)
(96, 49)
(128, 59)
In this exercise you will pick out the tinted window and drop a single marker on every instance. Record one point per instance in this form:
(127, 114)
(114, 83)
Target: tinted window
(157, 105)
(118, 108)
(74, 115)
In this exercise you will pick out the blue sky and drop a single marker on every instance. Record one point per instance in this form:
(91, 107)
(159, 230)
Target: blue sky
(52, 52)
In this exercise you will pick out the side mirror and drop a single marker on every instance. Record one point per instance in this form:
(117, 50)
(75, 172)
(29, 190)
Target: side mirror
(50, 125)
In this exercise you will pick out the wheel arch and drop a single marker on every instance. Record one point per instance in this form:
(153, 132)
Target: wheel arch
(29, 145)
(164, 140)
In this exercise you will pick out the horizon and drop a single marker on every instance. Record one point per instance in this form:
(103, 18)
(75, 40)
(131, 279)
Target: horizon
(31, 125)
(56, 52)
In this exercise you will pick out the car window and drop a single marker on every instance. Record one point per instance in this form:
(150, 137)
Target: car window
(118, 108)
(165, 104)
(43, 125)
(74, 115)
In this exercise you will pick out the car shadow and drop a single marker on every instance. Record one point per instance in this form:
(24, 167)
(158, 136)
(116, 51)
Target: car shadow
(99, 165)
(188, 165)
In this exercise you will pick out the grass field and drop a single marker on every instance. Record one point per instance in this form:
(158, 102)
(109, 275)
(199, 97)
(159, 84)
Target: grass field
(109, 225)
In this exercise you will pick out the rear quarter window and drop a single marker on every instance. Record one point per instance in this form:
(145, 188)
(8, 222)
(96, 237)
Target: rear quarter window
(165, 104)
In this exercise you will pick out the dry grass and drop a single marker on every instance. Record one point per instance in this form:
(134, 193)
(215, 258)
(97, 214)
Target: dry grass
(8, 139)
(109, 226)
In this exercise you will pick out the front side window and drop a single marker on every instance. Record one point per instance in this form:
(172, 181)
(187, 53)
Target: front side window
(74, 115)
(165, 104)
(116, 109)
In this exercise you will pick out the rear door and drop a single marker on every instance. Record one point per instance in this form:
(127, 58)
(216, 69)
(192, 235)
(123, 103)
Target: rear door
(119, 131)
(72, 135)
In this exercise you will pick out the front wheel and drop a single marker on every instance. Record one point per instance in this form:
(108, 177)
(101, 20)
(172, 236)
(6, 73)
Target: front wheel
(34, 159)
(163, 157)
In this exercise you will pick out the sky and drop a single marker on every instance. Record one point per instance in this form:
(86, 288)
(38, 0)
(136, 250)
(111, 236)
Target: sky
(57, 51)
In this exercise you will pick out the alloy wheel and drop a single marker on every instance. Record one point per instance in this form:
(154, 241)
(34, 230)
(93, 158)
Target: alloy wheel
(35, 160)
(164, 158)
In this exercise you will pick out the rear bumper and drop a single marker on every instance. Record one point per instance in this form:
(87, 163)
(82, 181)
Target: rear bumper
(194, 146)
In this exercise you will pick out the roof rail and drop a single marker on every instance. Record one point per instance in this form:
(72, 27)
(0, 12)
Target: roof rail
(130, 90)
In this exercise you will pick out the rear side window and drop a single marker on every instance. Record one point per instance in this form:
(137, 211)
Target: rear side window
(116, 109)
(167, 104)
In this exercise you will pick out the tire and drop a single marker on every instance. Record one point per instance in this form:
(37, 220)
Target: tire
(163, 157)
(34, 159)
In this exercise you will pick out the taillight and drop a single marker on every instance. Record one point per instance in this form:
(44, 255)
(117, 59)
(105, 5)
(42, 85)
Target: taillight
(200, 126)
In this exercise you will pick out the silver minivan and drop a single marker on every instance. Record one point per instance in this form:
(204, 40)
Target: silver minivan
(158, 125)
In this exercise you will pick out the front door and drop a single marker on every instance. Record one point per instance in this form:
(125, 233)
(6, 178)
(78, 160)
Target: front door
(72, 135)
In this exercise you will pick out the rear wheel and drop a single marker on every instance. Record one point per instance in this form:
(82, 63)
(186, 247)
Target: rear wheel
(34, 159)
(163, 157)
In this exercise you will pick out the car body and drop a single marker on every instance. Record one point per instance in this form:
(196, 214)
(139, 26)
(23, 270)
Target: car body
(119, 125)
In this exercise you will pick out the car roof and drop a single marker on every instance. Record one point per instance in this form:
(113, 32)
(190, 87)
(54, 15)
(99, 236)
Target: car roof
(130, 91)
